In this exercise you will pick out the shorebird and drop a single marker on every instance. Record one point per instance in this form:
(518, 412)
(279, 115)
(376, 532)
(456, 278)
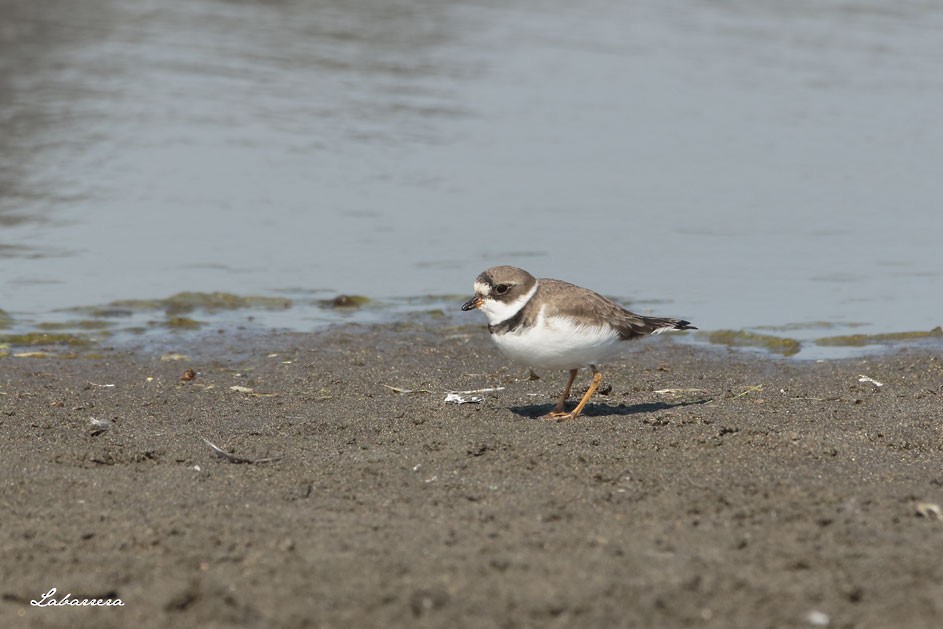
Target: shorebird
(551, 324)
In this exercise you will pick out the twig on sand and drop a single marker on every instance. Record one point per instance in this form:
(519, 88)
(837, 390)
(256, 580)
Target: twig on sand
(756, 388)
(232, 458)
(402, 391)
(487, 390)
(678, 391)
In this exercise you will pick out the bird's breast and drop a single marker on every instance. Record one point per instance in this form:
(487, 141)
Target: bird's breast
(558, 343)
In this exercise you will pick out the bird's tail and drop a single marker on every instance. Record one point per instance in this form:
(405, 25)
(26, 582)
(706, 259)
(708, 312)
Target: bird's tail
(633, 326)
(657, 325)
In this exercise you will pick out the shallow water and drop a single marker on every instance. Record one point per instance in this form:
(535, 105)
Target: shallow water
(743, 164)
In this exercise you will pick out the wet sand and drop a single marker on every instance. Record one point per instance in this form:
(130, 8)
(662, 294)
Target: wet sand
(760, 493)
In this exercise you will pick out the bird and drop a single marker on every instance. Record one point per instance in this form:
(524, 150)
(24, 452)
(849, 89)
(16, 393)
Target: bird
(551, 324)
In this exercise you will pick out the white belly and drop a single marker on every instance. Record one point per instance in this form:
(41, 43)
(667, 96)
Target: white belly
(557, 343)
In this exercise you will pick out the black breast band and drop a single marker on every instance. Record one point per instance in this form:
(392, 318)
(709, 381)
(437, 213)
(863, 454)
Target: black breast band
(508, 325)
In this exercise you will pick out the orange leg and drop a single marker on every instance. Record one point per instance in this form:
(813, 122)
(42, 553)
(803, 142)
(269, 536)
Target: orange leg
(597, 378)
(558, 413)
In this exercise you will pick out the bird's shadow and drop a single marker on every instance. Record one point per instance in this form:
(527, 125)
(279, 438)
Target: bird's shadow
(533, 411)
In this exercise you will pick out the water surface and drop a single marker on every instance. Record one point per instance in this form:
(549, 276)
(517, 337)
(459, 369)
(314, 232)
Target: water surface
(745, 165)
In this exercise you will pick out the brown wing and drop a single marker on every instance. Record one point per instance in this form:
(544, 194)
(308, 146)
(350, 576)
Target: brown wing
(588, 307)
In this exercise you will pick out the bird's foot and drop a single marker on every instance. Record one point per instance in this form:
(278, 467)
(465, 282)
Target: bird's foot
(558, 416)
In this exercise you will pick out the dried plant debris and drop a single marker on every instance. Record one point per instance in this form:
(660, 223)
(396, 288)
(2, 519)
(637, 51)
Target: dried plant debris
(756, 388)
(232, 458)
(678, 391)
(249, 391)
(173, 356)
(403, 391)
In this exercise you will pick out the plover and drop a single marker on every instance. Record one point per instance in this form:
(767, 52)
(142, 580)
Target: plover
(551, 324)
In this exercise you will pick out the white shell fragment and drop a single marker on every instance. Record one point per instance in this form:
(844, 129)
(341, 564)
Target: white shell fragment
(100, 425)
(455, 398)
(929, 510)
(864, 378)
(468, 397)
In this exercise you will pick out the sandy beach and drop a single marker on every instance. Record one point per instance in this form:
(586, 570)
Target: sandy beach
(703, 488)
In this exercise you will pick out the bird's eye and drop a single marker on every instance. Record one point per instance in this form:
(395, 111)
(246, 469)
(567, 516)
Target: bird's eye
(502, 288)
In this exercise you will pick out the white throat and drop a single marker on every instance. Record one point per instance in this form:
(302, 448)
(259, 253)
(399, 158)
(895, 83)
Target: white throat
(498, 311)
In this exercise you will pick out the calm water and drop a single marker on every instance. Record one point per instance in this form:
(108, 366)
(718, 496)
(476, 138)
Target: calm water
(741, 164)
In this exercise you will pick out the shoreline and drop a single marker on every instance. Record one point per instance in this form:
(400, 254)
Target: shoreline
(708, 487)
(137, 322)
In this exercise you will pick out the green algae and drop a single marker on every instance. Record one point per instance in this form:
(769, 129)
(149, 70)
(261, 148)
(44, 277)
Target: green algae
(84, 324)
(182, 303)
(182, 323)
(35, 339)
(5, 320)
(808, 325)
(345, 301)
(741, 338)
(422, 300)
(857, 340)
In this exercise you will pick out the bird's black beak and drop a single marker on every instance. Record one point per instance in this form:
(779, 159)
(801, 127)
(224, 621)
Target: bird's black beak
(471, 304)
